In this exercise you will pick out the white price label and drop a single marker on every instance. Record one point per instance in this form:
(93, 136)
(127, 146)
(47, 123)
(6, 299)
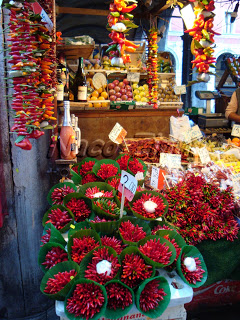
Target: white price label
(117, 134)
(170, 160)
(192, 134)
(130, 183)
(154, 177)
(139, 176)
(180, 89)
(236, 182)
(204, 155)
(133, 76)
(236, 130)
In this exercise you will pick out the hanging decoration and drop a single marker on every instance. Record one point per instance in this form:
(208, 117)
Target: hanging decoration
(120, 22)
(203, 38)
(152, 65)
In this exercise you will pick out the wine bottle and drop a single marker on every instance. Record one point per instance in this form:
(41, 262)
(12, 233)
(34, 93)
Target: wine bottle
(80, 84)
(67, 135)
(64, 75)
(60, 87)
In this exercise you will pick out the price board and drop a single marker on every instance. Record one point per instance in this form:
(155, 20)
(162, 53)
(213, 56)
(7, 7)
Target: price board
(179, 89)
(130, 185)
(236, 130)
(192, 134)
(204, 155)
(133, 76)
(170, 160)
(117, 134)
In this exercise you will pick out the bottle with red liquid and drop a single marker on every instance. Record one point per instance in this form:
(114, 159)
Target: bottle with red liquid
(67, 135)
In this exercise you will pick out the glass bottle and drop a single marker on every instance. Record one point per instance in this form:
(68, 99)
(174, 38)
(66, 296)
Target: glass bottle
(63, 72)
(80, 84)
(67, 135)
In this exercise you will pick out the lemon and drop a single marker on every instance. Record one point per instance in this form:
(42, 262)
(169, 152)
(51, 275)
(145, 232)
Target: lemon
(141, 88)
(136, 91)
(135, 86)
(144, 99)
(137, 98)
(145, 86)
(142, 94)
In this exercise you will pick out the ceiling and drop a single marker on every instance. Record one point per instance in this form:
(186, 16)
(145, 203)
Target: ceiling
(95, 26)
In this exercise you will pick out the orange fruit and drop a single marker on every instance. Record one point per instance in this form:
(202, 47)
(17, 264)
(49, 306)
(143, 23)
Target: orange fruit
(100, 90)
(97, 105)
(104, 94)
(95, 94)
(90, 105)
(101, 98)
(93, 98)
(104, 104)
(236, 140)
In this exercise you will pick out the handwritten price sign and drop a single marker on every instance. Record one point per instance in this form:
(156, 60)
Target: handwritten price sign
(236, 130)
(157, 178)
(204, 155)
(133, 76)
(130, 185)
(117, 134)
(192, 134)
(170, 160)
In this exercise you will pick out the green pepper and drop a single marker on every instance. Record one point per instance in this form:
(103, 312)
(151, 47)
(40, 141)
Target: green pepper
(206, 34)
(115, 14)
(113, 47)
(128, 15)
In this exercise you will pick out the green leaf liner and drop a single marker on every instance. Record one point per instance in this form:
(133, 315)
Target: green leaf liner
(98, 315)
(62, 208)
(138, 195)
(100, 185)
(111, 178)
(119, 312)
(129, 250)
(44, 250)
(55, 236)
(76, 178)
(76, 165)
(162, 241)
(60, 267)
(80, 234)
(78, 195)
(104, 227)
(155, 223)
(134, 221)
(101, 213)
(191, 251)
(77, 227)
(144, 167)
(88, 259)
(162, 305)
(59, 185)
(97, 166)
(172, 235)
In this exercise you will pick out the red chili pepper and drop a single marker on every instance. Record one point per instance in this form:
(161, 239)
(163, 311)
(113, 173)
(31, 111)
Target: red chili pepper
(25, 144)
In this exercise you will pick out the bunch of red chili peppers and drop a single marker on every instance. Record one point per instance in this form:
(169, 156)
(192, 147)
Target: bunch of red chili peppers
(203, 36)
(120, 13)
(152, 66)
(32, 57)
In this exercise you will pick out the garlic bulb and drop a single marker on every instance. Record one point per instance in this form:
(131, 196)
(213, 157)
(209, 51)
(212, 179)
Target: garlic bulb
(150, 206)
(203, 77)
(118, 62)
(190, 264)
(98, 195)
(104, 266)
(120, 27)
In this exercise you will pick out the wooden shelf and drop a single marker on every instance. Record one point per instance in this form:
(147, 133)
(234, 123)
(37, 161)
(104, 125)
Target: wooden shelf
(76, 51)
(62, 161)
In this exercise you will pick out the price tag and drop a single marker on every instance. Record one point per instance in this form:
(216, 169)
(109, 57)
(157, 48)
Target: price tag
(180, 89)
(157, 178)
(139, 176)
(130, 183)
(236, 182)
(117, 134)
(236, 130)
(170, 160)
(192, 134)
(37, 9)
(204, 155)
(133, 76)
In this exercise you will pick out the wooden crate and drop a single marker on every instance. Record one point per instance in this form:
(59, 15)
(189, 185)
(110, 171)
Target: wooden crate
(75, 51)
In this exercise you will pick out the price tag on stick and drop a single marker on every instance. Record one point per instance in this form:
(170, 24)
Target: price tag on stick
(236, 130)
(157, 178)
(204, 155)
(170, 160)
(117, 134)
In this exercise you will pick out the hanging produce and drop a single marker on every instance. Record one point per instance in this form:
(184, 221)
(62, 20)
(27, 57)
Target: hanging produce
(152, 67)
(119, 20)
(203, 39)
(32, 59)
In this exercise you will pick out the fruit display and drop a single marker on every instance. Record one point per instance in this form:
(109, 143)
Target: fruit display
(235, 141)
(106, 64)
(166, 91)
(97, 91)
(120, 90)
(233, 66)
(140, 92)
(164, 66)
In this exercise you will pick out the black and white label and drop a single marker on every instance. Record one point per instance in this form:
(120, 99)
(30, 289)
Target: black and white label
(82, 93)
(60, 90)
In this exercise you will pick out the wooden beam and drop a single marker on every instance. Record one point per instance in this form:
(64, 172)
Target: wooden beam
(90, 12)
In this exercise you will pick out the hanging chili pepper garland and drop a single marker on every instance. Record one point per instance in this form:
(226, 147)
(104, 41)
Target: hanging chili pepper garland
(152, 67)
(203, 38)
(118, 20)
(32, 57)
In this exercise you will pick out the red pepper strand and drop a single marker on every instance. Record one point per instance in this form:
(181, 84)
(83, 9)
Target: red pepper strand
(130, 232)
(135, 166)
(46, 237)
(134, 270)
(151, 296)
(114, 182)
(54, 256)
(138, 206)
(90, 192)
(81, 246)
(112, 242)
(98, 256)
(192, 276)
(86, 167)
(59, 281)
(86, 300)
(108, 206)
(58, 218)
(79, 208)
(58, 194)
(123, 161)
(119, 297)
(90, 177)
(157, 251)
(107, 171)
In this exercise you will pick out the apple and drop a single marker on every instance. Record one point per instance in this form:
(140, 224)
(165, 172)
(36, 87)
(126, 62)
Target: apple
(124, 97)
(118, 99)
(112, 98)
(129, 94)
(117, 89)
(129, 99)
(115, 82)
(123, 91)
(125, 81)
(111, 92)
(111, 86)
(118, 94)
(121, 85)
(105, 58)
(128, 88)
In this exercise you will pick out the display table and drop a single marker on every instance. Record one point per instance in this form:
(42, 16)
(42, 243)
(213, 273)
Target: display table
(175, 310)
